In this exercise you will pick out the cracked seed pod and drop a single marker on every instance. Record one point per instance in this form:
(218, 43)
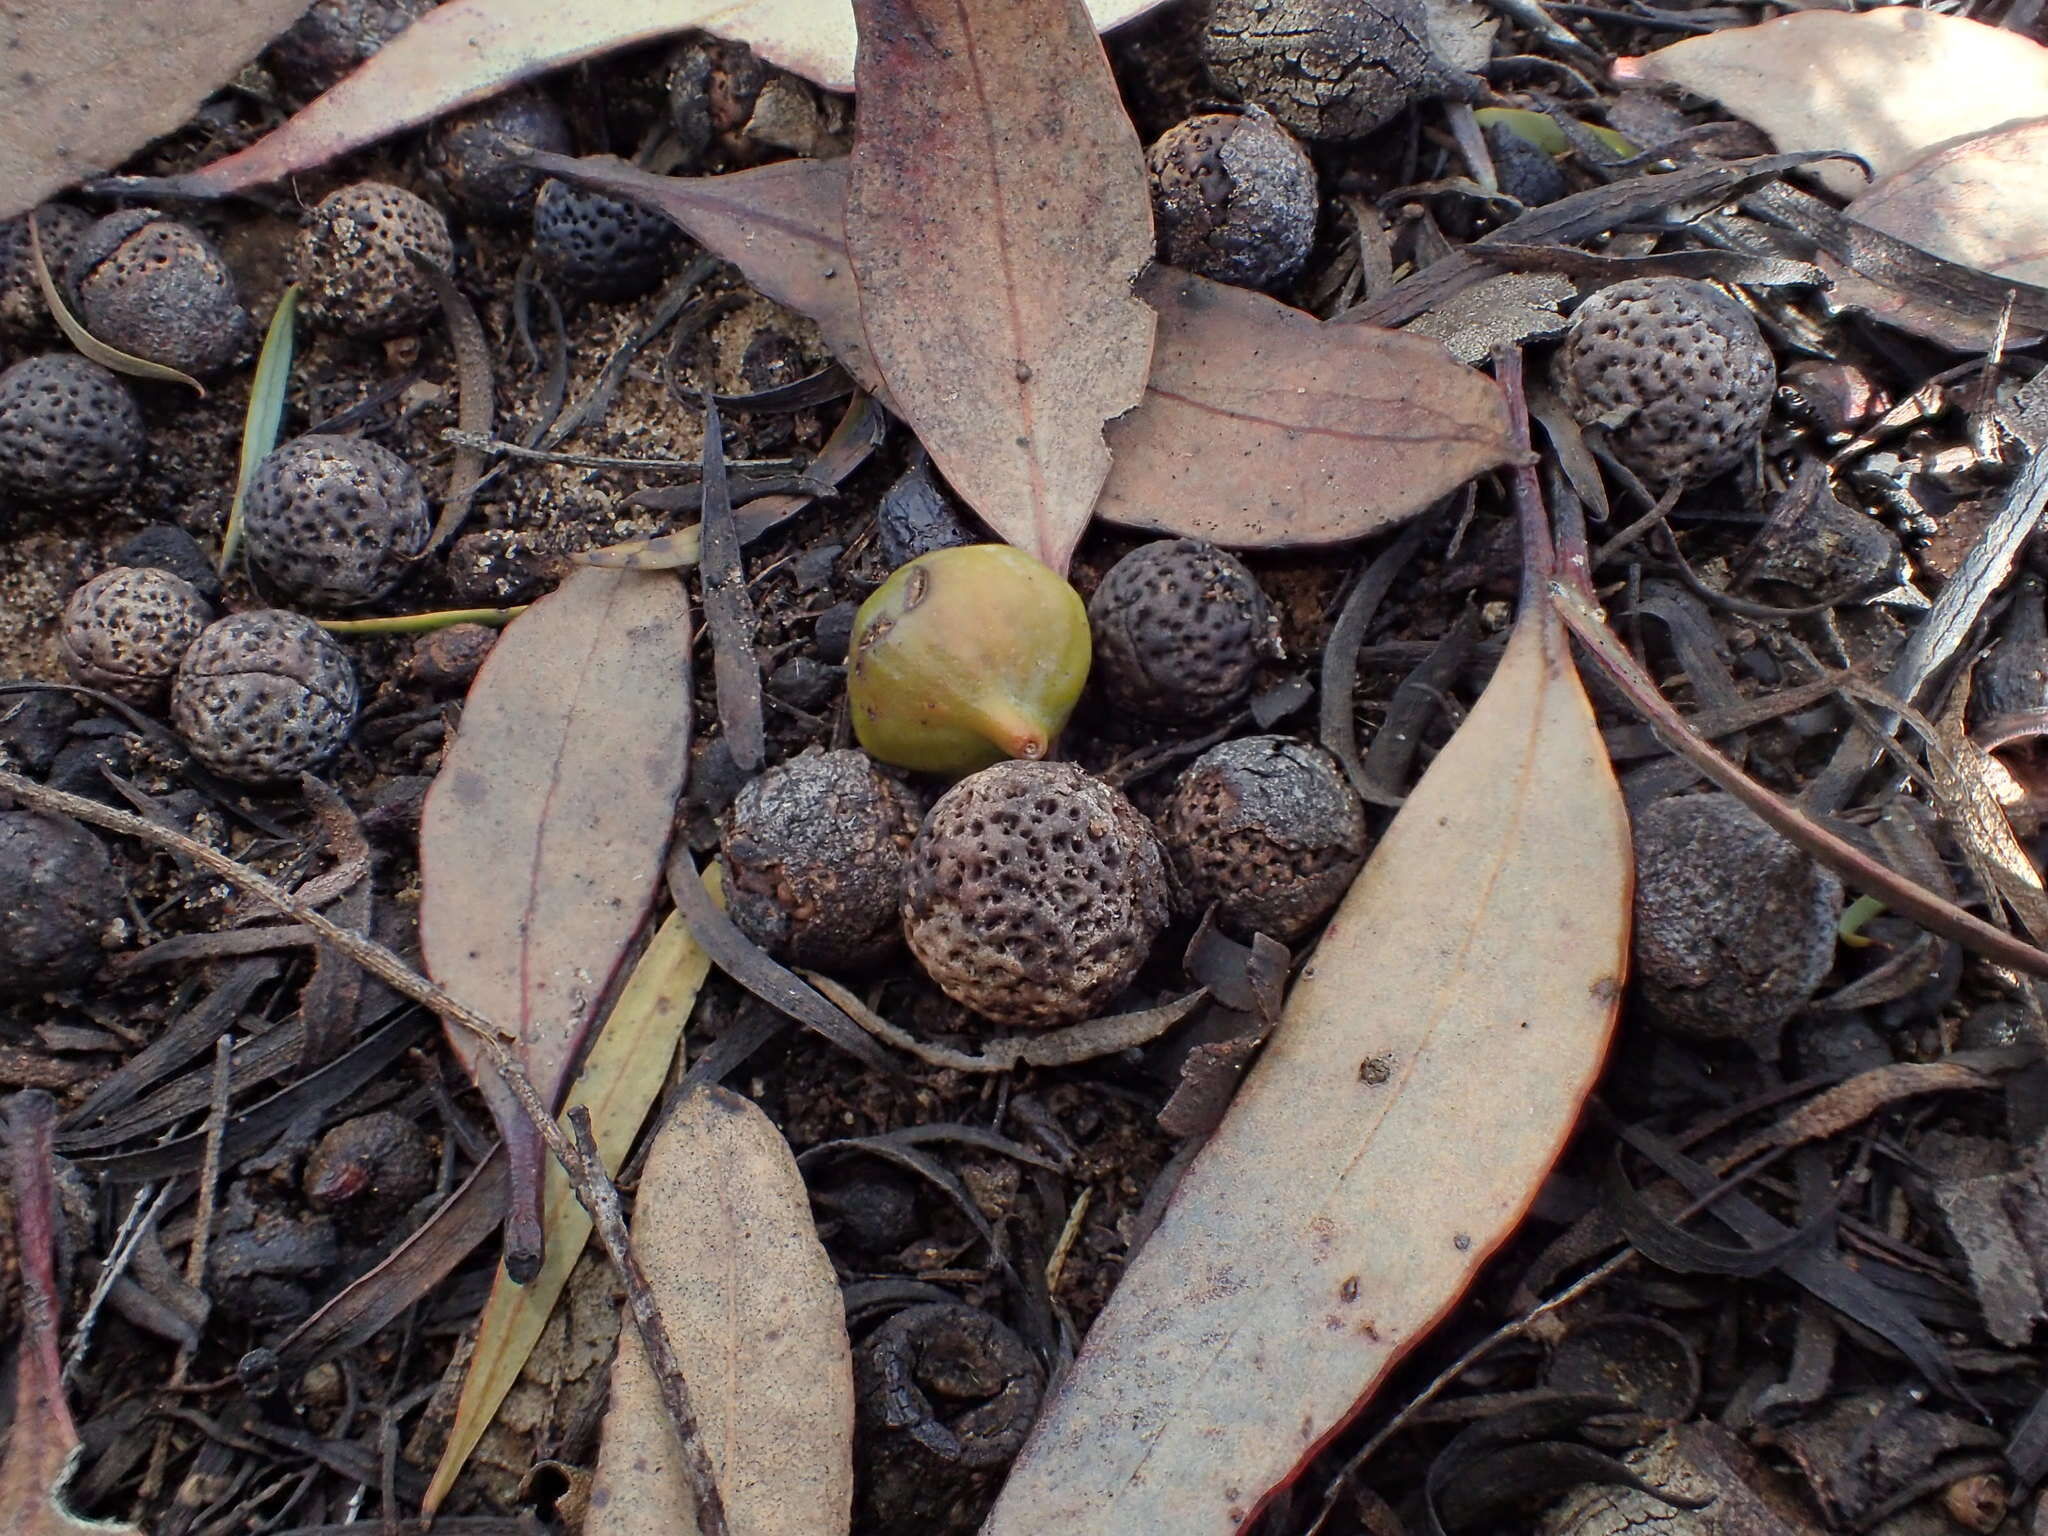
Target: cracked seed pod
(1033, 893)
(1674, 370)
(814, 855)
(476, 154)
(1270, 831)
(965, 656)
(1233, 197)
(354, 260)
(335, 521)
(126, 630)
(1328, 69)
(70, 432)
(264, 696)
(23, 313)
(1734, 926)
(1179, 628)
(157, 289)
(601, 247)
(59, 900)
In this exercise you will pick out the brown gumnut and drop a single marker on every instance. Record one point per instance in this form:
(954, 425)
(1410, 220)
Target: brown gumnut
(1233, 197)
(1179, 629)
(262, 697)
(24, 314)
(354, 260)
(70, 432)
(1674, 370)
(447, 660)
(944, 1396)
(335, 521)
(126, 630)
(1269, 831)
(600, 247)
(1327, 69)
(157, 289)
(376, 1166)
(1033, 893)
(1734, 926)
(814, 855)
(476, 154)
(59, 901)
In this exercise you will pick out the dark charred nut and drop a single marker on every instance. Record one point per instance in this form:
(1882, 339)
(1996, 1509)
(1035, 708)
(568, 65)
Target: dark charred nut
(126, 630)
(1270, 831)
(806, 682)
(833, 633)
(82, 766)
(334, 36)
(70, 432)
(1526, 172)
(1179, 629)
(374, 1167)
(718, 90)
(157, 289)
(1233, 198)
(34, 727)
(167, 547)
(1734, 926)
(265, 696)
(335, 521)
(1033, 893)
(916, 517)
(60, 902)
(2013, 679)
(446, 660)
(1674, 370)
(24, 314)
(355, 263)
(965, 656)
(944, 1396)
(1327, 69)
(871, 1206)
(814, 855)
(476, 154)
(601, 247)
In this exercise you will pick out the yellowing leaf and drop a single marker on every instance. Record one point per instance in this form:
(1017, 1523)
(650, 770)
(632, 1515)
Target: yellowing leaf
(1425, 1074)
(1887, 84)
(619, 1083)
(751, 1305)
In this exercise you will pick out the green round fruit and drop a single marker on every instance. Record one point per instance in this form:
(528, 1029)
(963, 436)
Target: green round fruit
(964, 657)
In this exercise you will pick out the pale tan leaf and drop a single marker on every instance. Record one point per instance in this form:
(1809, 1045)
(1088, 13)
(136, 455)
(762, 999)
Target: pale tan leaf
(467, 50)
(1981, 201)
(752, 1308)
(541, 840)
(1887, 84)
(618, 1084)
(1263, 425)
(89, 82)
(1425, 1074)
(997, 211)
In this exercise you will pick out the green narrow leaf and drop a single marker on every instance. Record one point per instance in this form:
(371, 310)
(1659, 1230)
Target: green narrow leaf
(1538, 129)
(87, 343)
(266, 411)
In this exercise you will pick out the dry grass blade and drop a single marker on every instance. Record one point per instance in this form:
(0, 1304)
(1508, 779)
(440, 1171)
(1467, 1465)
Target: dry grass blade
(729, 608)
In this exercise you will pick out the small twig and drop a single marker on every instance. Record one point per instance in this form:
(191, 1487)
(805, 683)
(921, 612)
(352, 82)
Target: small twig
(729, 607)
(476, 402)
(402, 978)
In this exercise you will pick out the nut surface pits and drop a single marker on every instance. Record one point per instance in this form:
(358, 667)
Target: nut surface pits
(335, 521)
(70, 432)
(354, 260)
(1234, 197)
(23, 312)
(126, 630)
(600, 247)
(59, 898)
(264, 696)
(157, 289)
(1179, 629)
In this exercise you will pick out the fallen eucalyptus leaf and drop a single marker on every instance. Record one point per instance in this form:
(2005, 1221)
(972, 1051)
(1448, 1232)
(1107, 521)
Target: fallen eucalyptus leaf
(1886, 84)
(1371, 1161)
(541, 840)
(619, 1083)
(1265, 426)
(997, 211)
(751, 1304)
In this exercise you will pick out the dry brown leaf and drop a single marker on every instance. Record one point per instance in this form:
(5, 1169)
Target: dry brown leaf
(1262, 425)
(751, 1305)
(541, 840)
(1427, 1070)
(997, 212)
(1981, 201)
(467, 50)
(1887, 84)
(89, 82)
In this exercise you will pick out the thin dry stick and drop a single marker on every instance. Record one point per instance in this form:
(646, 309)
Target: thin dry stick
(586, 1176)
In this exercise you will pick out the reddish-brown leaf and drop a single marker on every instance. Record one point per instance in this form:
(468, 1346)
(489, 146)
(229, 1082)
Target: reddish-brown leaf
(1264, 426)
(89, 82)
(997, 213)
(541, 841)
